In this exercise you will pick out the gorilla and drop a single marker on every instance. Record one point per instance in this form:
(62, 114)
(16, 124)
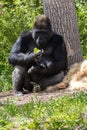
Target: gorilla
(44, 68)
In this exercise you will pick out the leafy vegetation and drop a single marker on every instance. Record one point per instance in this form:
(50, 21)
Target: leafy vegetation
(81, 9)
(66, 113)
(15, 17)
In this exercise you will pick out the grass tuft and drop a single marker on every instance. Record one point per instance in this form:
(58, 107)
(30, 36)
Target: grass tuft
(64, 113)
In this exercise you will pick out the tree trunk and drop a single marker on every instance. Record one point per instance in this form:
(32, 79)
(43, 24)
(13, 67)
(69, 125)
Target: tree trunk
(63, 19)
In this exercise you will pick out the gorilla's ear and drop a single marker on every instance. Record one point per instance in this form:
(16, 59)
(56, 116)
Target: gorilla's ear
(42, 22)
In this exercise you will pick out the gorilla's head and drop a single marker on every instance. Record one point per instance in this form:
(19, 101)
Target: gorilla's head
(42, 31)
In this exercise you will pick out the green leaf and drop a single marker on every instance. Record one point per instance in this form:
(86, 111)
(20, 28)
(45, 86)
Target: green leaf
(36, 50)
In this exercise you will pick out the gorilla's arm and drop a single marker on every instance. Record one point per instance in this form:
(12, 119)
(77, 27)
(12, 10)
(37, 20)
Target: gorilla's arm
(20, 54)
(59, 61)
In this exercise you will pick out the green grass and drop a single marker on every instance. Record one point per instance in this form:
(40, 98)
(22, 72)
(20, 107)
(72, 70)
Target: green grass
(5, 77)
(64, 113)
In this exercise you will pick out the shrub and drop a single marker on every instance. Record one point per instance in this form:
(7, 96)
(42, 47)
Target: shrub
(15, 17)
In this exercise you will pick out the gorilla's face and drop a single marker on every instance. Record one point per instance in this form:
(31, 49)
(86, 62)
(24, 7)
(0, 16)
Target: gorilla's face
(41, 37)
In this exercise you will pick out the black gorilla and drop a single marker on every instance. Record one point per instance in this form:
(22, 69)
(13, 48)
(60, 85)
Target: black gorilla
(44, 68)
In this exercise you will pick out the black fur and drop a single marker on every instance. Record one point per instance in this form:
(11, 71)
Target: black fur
(36, 67)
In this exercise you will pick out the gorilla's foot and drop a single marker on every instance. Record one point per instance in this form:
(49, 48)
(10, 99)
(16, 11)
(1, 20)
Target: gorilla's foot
(18, 93)
(36, 89)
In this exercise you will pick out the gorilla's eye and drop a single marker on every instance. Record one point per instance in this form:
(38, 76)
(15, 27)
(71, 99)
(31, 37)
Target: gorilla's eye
(42, 32)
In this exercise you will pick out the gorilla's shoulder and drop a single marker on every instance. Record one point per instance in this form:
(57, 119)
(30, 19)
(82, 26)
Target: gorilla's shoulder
(26, 34)
(56, 38)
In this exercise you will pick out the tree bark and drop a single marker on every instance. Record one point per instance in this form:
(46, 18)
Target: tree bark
(64, 21)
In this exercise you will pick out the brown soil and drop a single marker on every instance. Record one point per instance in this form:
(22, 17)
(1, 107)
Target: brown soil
(41, 96)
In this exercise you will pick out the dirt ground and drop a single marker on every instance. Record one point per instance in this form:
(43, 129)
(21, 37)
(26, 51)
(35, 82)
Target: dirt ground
(41, 96)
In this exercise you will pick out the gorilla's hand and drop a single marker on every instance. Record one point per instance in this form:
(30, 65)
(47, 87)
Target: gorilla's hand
(44, 66)
(37, 56)
(34, 69)
(29, 57)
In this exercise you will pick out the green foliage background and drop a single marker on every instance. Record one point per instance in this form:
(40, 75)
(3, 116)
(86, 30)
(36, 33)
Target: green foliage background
(81, 9)
(15, 16)
(19, 15)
